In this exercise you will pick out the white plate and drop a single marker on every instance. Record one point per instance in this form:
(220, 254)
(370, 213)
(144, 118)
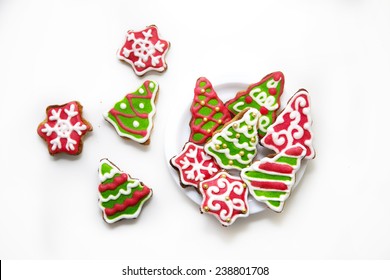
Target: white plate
(178, 134)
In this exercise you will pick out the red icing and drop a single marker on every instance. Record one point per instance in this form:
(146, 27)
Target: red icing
(114, 184)
(264, 111)
(73, 120)
(277, 76)
(115, 113)
(276, 167)
(137, 197)
(132, 58)
(196, 106)
(295, 151)
(248, 99)
(269, 185)
(281, 127)
(180, 162)
(272, 91)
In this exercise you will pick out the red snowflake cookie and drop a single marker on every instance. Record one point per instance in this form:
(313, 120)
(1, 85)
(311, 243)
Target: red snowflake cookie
(225, 197)
(194, 165)
(144, 50)
(63, 128)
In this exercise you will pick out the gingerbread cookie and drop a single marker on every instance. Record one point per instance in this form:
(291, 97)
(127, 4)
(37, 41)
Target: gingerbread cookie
(64, 128)
(120, 196)
(263, 96)
(208, 112)
(144, 50)
(270, 180)
(194, 165)
(132, 117)
(292, 126)
(234, 146)
(225, 197)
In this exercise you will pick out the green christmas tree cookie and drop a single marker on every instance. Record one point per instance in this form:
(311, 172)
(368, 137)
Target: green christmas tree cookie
(132, 116)
(234, 147)
(120, 196)
(263, 96)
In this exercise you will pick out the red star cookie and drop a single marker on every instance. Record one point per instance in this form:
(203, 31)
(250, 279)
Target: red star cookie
(144, 50)
(63, 128)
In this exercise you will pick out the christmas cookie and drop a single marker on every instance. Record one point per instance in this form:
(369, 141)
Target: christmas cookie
(132, 117)
(64, 128)
(194, 165)
(292, 126)
(120, 196)
(234, 146)
(263, 96)
(208, 112)
(270, 180)
(225, 197)
(144, 50)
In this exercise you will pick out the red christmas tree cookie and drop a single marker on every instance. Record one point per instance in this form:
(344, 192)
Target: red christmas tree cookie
(208, 112)
(64, 128)
(292, 126)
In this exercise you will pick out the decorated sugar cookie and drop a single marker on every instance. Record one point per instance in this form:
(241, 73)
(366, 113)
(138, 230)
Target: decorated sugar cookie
(208, 112)
(292, 126)
(234, 146)
(132, 117)
(194, 165)
(263, 96)
(225, 197)
(64, 128)
(120, 196)
(270, 180)
(144, 50)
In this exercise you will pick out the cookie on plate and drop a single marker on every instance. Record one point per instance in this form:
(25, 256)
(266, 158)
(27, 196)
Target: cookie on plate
(208, 112)
(194, 165)
(132, 117)
(225, 197)
(234, 146)
(144, 50)
(263, 96)
(64, 128)
(120, 195)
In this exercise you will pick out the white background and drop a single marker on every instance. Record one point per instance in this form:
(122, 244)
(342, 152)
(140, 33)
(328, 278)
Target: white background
(52, 52)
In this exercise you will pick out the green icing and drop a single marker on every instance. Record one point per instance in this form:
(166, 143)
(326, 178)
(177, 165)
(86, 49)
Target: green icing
(205, 111)
(198, 136)
(201, 97)
(208, 125)
(105, 168)
(198, 121)
(129, 210)
(289, 160)
(268, 194)
(121, 199)
(218, 116)
(213, 102)
(274, 203)
(208, 90)
(261, 175)
(202, 84)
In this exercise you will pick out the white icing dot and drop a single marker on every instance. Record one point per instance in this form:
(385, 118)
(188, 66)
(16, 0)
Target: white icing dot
(151, 85)
(141, 105)
(135, 124)
(123, 106)
(141, 90)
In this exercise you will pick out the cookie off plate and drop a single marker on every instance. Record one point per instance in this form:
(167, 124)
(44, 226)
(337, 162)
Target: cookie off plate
(178, 134)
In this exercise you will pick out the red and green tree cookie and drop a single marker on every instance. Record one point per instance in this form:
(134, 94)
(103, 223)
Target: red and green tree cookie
(263, 96)
(292, 126)
(132, 117)
(208, 112)
(234, 147)
(270, 180)
(120, 196)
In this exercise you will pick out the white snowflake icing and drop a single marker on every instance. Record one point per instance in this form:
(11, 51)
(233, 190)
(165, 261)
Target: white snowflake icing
(196, 167)
(63, 128)
(144, 49)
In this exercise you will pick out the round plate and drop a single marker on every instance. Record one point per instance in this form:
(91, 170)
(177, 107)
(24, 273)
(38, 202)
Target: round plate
(177, 134)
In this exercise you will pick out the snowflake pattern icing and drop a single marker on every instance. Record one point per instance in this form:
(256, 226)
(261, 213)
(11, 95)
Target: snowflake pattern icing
(194, 165)
(144, 50)
(64, 128)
